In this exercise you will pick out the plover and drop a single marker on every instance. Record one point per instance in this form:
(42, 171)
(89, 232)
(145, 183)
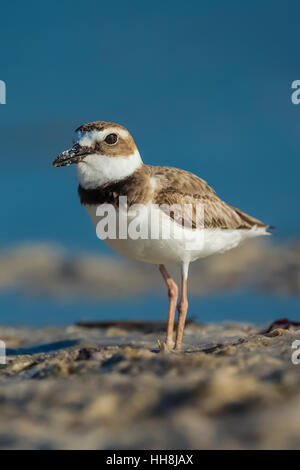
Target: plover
(109, 168)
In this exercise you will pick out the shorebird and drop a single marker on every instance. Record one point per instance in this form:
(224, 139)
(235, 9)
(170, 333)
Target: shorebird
(109, 167)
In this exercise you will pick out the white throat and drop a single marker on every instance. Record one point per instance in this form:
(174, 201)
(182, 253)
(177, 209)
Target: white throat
(97, 170)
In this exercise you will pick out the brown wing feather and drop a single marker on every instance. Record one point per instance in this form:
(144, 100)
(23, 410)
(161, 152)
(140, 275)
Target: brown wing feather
(179, 187)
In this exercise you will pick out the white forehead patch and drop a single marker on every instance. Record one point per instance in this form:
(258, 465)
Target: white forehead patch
(89, 138)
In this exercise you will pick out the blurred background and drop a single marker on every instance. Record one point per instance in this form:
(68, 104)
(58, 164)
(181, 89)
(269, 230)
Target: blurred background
(204, 86)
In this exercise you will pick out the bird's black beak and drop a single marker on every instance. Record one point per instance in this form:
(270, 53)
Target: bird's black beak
(75, 155)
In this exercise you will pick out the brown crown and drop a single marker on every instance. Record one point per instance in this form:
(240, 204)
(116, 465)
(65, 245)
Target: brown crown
(98, 126)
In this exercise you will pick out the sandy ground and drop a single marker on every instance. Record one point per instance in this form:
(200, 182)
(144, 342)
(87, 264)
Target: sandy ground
(110, 388)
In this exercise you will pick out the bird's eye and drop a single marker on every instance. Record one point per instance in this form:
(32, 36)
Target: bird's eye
(111, 139)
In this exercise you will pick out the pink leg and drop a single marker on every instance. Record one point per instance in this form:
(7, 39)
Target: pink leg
(182, 309)
(173, 295)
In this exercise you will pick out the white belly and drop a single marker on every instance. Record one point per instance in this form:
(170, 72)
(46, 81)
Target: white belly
(166, 241)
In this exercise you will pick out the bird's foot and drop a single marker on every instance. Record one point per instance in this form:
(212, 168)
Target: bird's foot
(166, 346)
